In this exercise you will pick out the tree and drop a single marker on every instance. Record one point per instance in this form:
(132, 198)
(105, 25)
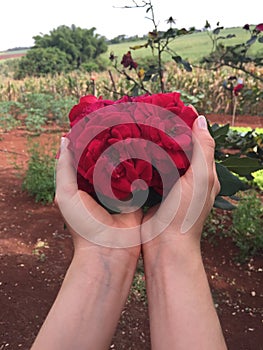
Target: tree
(75, 45)
(81, 45)
(39, 62)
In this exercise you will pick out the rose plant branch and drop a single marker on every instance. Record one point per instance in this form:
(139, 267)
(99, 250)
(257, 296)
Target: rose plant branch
(158, 42)
(234, 56)
(127, 61)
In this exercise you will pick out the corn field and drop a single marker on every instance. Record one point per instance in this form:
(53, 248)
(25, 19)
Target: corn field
(202, 88)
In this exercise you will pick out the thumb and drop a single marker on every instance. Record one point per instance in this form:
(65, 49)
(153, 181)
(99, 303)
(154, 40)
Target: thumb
(189, 196)
(203, 144)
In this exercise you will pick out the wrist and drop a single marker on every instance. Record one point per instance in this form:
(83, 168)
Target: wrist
(177, 251)
(96, 261)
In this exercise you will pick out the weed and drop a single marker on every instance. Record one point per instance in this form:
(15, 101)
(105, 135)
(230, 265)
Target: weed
(216, 226)
(39, 177)
(138, 288)
(247, 225)
(9, 112)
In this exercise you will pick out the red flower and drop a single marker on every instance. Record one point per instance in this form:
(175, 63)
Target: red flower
(127, 61)
(238, 88)
(86, 105)
(146, 137)
(259, 27)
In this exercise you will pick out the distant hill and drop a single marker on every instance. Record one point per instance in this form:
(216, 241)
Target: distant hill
(192, 47)
(18, 49)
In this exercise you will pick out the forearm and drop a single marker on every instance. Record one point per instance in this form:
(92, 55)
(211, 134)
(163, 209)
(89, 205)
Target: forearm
(88, 306)
(182, 313)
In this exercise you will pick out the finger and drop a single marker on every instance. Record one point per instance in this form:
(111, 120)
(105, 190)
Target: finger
(82, 213)
(67, 193)
(188, 196)
(203, 149)
(66, 175)
(202, 175)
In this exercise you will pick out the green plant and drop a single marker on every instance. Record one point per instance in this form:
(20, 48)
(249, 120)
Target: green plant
(39, 249)
(216, 226)
(232, 167)
(63, 49)
(159, 43)
(237, 56)
(247, 225)
(35, 120)
(59, 108)
(41, 61)
(258, 179)
(37, 106)
(9, 112)
(39, 177)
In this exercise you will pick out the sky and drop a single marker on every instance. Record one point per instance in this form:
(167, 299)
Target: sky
(21, 20)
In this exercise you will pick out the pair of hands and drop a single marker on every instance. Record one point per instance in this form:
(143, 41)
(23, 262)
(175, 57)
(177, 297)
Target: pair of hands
(98, 280)
(180, 216)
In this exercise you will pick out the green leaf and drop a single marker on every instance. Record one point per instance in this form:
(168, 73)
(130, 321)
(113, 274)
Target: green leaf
(230, 184)
(242, 166)
(137, 47)
(221, 130)
(251, 40)
(222, 203)
(230, 36)
(170, 33)
(207, 25)
(187, 66)
(177, 59)
(217, 30)
(260, 39)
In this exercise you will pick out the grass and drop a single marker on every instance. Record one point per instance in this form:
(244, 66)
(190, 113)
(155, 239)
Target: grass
(246, 129)
(192, 47)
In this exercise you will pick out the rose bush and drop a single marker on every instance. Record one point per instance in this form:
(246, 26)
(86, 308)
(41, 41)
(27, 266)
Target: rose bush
(145, 137)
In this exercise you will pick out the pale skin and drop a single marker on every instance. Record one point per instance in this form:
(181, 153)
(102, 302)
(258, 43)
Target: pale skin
(87, 309)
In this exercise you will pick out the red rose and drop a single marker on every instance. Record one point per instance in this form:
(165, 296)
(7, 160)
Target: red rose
(146, 137)
(127, 61)
(259, 27)
(86, 105)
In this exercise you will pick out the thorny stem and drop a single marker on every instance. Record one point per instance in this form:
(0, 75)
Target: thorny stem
(160, 50)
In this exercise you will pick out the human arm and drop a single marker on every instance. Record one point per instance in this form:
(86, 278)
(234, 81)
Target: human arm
(181, 308)
(88, 306)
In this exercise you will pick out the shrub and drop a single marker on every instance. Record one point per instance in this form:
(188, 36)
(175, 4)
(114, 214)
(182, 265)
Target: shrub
(59, 109)
(9, 112)
(42, 61)
(39, 177)
(247, 225)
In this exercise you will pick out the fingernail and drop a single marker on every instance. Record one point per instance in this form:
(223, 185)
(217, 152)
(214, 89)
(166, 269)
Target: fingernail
(201, 122)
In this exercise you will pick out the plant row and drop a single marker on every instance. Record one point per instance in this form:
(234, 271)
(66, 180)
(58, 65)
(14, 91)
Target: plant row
(49, 97)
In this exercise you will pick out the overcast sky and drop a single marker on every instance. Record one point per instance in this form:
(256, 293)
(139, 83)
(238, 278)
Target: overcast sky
(22, 19)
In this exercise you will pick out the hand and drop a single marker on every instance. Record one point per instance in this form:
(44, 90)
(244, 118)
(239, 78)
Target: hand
(181, 309)
(89, 223)
(183, 213)
(98, 280)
